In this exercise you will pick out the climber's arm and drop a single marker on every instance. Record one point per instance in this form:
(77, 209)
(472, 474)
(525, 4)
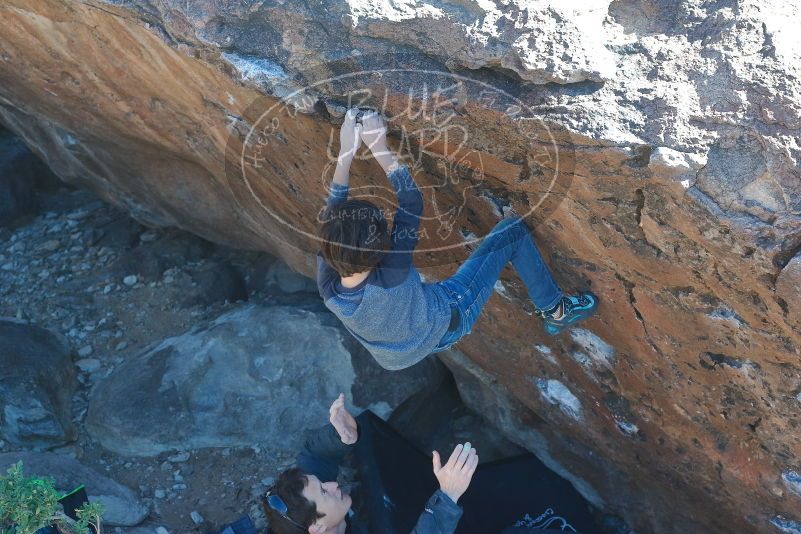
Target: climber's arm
(410, 201)
(336, 196)
(349, 142)
(405, 228)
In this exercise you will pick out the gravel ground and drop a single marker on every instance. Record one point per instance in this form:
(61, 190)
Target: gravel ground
(72, 270)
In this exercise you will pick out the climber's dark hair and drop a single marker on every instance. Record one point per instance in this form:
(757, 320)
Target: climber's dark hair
(290, 487)
(354, 237)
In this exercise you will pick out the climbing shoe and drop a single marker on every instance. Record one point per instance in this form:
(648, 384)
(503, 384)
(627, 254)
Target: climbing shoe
(574, 309)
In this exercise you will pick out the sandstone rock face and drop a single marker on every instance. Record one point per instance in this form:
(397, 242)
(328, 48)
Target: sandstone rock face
(653, 146)
(121, 506)
(788, 285)
(37, 380)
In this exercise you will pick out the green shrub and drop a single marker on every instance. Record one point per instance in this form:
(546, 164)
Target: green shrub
(28, 504)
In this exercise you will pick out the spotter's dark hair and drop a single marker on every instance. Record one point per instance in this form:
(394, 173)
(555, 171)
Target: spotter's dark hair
(290, 487)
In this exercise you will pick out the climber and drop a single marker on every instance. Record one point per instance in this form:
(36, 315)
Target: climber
(366, 276)
(306, 498)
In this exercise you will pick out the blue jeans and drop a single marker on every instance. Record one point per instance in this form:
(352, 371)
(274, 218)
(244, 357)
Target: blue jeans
(473, 283)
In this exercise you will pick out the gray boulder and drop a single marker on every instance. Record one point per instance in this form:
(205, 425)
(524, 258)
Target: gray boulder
(788, 290)
(120, 504)
(37, 380)
(257, 374)
(287, 280)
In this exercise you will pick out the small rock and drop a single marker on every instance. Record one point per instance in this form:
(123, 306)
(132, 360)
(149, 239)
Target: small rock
(51, 245)
(83, 352)
(88, 365)
(148, 236)
(7, 266)
(159, 494)
(178, 458)
(122, 345)
(44, 274)
(179, 487)
(107, 289)
(269, 481)
(166, 466)
(77, 215)
(196, 517)
(130, 280)
(177, 477)
(162, 530)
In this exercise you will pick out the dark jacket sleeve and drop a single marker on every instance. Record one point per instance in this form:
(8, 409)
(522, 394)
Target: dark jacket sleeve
(406, 225)
(326, 276)
(336, 196)
(440, 515)
(322, 453)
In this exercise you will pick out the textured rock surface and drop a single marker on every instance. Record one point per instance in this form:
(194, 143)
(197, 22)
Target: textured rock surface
(682, 211)
(37, 380)
(121, 506)
(237, 380)
(230, 383)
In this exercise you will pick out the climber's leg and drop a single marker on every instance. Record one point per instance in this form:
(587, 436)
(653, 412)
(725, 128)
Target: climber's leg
(474, 281)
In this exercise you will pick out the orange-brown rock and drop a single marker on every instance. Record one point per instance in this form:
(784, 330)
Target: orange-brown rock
(665, 137)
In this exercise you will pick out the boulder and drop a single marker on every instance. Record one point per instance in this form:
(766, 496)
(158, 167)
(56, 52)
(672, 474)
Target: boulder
(37, 380)
(120, 232)
(255, 374)
(285, 279)
(651, 145)
(121, 506)
(788, 289)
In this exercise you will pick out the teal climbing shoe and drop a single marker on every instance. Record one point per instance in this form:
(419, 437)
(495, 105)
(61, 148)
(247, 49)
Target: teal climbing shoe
(576, 308)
